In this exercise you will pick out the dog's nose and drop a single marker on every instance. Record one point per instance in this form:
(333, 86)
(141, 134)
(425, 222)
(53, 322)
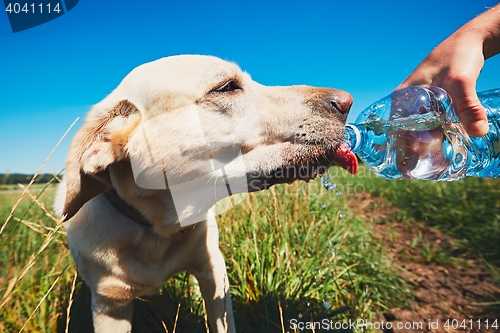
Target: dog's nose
(341, 101)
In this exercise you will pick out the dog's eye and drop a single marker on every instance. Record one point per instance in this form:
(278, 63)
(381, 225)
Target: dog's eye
(229, 86)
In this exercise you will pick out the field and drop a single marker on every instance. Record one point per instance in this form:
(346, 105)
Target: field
(368, 249)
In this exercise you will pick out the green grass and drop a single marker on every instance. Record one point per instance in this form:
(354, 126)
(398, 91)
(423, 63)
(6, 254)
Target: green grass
(33, 254)
(315, 262)
(293, 252)
(468, 209)
(287, 257)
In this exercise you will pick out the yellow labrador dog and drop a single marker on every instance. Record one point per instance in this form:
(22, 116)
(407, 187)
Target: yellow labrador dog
(151, 159)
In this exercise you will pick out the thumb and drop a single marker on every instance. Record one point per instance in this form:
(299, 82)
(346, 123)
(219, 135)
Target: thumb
(471, 113)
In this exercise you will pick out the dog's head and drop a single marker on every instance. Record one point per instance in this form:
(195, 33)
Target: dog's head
(180, 118)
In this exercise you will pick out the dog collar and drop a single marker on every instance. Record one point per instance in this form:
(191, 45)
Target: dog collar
(125, 208)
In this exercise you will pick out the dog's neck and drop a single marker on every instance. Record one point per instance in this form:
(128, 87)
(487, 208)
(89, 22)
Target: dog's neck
(154, 207)
(131, 212)
(125, 208)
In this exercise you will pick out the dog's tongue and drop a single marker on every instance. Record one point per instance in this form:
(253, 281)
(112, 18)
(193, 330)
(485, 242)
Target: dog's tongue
(346, 159)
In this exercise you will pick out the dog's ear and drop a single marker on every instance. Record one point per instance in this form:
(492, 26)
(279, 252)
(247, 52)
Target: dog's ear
(100, 142)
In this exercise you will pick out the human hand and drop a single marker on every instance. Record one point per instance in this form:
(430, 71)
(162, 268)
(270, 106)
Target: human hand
(455, 65)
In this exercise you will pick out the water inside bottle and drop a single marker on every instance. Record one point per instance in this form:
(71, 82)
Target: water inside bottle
(416, 122)
(419, 146)
(414, 133)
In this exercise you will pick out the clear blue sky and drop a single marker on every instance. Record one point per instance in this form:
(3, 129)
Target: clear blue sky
(53, 73)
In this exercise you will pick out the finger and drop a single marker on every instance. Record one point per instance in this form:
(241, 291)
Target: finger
(475, 121)
(471, 113)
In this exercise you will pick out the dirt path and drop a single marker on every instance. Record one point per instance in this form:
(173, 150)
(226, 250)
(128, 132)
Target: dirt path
(450, 294)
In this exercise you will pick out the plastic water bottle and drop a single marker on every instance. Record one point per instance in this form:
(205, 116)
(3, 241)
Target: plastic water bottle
(414, 133)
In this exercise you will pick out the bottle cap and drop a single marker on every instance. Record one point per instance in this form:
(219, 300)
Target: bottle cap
(352, 137)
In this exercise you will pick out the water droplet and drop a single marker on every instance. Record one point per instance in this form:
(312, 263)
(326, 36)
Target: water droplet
(308, 304)
(326, 180)
(341, 215)
(323, 206)
(338, 193)
(300, 315)
(326, 304)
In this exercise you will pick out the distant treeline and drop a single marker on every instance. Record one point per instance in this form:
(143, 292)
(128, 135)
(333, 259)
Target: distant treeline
(18, 178)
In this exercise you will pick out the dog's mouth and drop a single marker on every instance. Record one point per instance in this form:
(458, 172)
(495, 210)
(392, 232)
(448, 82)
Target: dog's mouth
(305, 168)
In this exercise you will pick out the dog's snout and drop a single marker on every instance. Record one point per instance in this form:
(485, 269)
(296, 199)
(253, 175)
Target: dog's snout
(341, 101)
